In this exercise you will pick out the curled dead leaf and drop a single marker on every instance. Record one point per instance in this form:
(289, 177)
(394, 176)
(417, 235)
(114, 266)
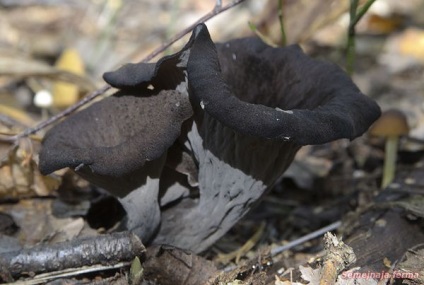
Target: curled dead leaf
(19, 174)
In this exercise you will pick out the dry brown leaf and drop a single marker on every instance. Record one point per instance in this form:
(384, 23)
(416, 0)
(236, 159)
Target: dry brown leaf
(309, 274)
(170, 265)
(19, 174)
(37, 223)
(412, 267)
(67, 231)
(278, 281)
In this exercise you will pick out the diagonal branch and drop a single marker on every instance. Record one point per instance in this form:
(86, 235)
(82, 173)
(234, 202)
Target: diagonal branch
(217, 10)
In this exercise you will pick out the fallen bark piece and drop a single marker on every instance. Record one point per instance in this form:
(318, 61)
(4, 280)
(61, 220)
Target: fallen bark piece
(104, 249)
(385, 230)
(412, 266)
(169, 265)
(338, 257)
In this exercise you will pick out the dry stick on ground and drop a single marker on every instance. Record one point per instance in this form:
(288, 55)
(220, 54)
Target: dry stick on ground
(69, 273)
(305, 238)
(218, 9)
(105, 250)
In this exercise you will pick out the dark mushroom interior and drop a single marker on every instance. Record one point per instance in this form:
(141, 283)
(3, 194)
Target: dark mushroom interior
(192, 155)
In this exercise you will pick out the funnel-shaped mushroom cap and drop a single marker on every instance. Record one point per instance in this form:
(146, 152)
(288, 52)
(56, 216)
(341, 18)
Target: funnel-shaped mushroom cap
(233, 114)
(277, 93)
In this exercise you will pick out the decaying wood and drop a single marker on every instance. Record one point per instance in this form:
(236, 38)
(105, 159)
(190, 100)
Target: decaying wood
(169, 265)
(104, 249)
(385, 230)
(413, 265)
(338, 257)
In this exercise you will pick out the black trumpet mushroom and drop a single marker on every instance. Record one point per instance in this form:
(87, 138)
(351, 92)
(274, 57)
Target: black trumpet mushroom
(189, 144)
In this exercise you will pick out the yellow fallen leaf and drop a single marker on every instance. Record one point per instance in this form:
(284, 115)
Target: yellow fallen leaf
(387, 262)
(412, 43)
(66, 94)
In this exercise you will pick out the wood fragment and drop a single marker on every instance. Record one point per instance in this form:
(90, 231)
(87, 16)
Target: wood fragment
(338, 257)
(104, 249)
(169, 265)
(66, 276)
(368, 233)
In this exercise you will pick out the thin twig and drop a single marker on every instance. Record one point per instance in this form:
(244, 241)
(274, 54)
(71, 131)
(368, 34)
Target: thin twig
(264, 38)
(218, 5)
(217, 10)
(181, 34)
(70, 272)
(299, 241)
(306, 238)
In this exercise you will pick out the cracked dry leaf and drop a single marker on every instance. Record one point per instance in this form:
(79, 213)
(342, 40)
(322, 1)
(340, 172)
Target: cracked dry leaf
(412, 267)
(19, 174)
(309, 274)
(66, 229)
(36, 223)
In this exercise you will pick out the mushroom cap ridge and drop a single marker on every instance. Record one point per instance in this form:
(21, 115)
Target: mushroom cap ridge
(331, 106)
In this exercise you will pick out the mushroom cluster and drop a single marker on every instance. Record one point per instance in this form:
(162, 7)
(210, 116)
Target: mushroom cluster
(189, 144)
